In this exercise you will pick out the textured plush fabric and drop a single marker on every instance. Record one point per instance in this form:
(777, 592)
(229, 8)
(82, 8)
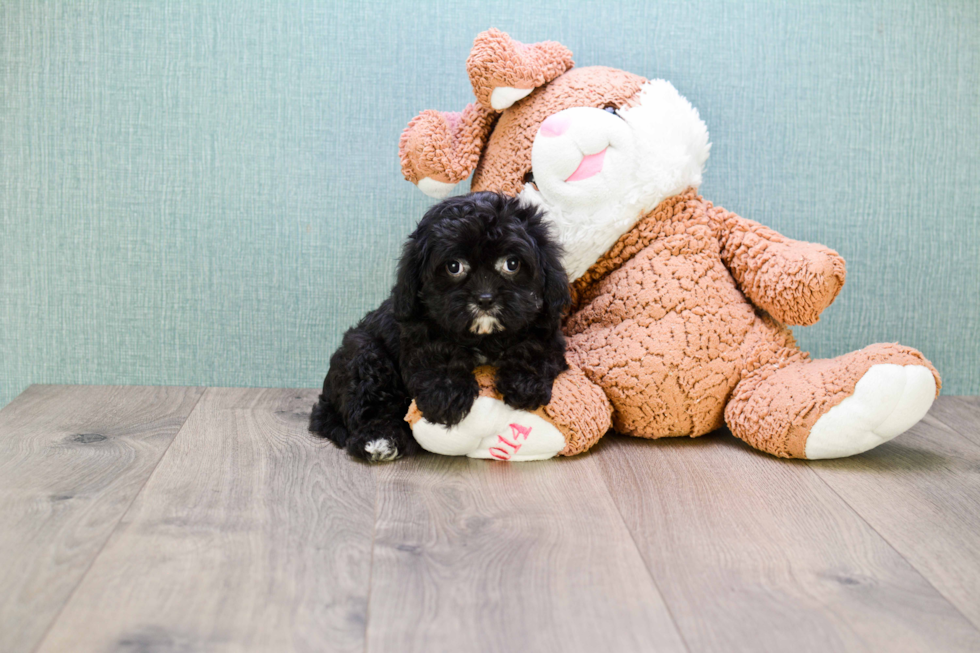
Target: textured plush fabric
(661, 326)
(661, 339)
(445, 146)
(684, 303)
(497, 60)
(429, 141)
(209, 193)
(775, 405)
(791, 280)
(508, 153)
(660, 323)
(580, 409)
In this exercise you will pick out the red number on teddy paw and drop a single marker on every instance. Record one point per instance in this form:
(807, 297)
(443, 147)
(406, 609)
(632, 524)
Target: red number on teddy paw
(503, 453)
(518, 431)
(512, 445)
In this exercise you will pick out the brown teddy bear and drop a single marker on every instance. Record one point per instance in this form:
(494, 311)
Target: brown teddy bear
(679, 306)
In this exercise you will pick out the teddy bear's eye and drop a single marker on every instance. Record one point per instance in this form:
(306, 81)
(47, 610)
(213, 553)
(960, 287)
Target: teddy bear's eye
(613, 109)
(529, 178)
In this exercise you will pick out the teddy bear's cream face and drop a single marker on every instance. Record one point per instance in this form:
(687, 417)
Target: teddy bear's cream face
(596, 172)
(583, 156)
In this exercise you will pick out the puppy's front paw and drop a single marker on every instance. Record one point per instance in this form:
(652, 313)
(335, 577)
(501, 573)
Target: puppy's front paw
(377, 447)
(381, 450)
(374, 450)
(447, 404)
(524, 392)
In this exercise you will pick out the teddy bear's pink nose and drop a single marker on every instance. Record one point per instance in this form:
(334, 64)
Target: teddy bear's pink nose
(555, 125)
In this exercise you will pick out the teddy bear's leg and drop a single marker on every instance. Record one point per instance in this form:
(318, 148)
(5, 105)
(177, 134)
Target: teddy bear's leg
(577, 416)
(580, 410)
(798, 408)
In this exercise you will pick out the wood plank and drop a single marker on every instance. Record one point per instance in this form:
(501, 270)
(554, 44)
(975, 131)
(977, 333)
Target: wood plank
(484, 556)
(921, 492)
(72, 459)
(962, 414)
(754, 553)
(251, 535)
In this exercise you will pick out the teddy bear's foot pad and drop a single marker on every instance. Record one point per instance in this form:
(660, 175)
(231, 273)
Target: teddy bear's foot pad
(887, 401)
(493, 429)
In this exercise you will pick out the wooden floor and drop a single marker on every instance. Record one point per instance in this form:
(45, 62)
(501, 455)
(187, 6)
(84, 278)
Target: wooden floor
(183, 519)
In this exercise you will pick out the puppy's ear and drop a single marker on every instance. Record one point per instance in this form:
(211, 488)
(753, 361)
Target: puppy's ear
(557, 297)
(408, 283)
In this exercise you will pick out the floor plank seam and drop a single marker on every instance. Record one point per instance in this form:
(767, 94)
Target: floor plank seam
(955, 429)
(374, 537)
(81, 579)
(636, 547)
(901, 555)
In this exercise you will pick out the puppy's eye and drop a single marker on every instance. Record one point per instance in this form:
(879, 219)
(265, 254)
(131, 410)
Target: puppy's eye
(509, 265)
(456, 268)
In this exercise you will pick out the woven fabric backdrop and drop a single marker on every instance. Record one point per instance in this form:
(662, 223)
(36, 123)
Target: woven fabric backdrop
(208, 193)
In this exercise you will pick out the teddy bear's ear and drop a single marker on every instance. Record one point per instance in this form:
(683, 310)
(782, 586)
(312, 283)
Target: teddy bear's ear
(440, 149)
(504, 71)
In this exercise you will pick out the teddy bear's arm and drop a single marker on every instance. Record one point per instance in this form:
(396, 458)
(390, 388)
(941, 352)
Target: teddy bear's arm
(792, 280)
(439, 149)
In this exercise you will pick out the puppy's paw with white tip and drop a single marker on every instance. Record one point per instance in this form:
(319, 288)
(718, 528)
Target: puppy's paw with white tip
(887, 401)
(377, 450)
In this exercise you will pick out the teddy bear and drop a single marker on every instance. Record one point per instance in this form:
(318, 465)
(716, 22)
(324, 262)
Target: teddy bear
(680, 309)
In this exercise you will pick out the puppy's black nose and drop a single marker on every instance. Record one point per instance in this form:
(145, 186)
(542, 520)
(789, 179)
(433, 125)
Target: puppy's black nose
(485, 300)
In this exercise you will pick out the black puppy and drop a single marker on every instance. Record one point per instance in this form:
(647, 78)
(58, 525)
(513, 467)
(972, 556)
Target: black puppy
(479, 282)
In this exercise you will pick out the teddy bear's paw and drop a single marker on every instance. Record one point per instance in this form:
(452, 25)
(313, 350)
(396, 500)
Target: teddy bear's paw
(503, 71)
(520, 436)
(887, 401)
(493, 429)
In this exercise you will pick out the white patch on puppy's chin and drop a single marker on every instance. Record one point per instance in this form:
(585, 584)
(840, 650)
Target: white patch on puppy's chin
(668, 149)
(485, 324)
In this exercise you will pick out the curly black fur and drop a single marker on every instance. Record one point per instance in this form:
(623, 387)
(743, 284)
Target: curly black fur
(425, 340)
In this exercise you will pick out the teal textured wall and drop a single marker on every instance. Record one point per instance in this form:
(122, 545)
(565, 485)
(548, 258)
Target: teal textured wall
(209, 193)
